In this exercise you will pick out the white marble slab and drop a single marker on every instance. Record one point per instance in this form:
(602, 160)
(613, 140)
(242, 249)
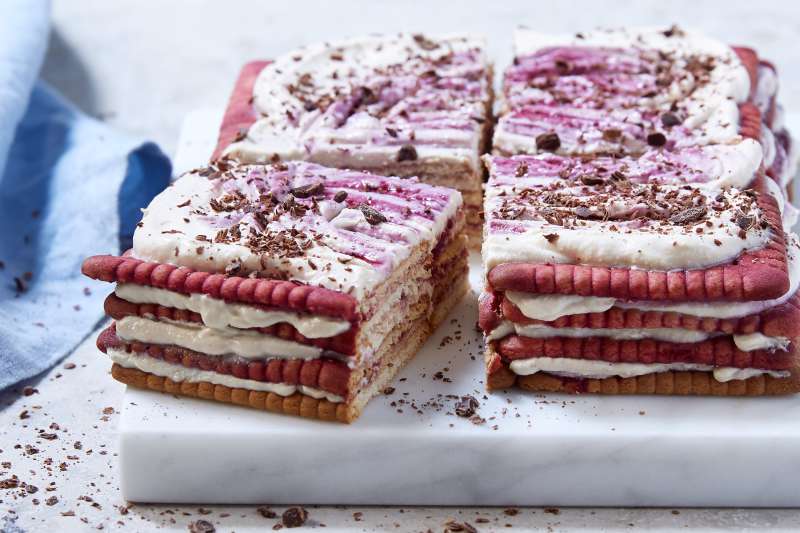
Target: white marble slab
(531, 450)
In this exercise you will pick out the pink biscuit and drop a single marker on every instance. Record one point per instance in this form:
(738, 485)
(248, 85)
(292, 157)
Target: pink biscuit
(239, 115)
(326, 374)
(343, 343)
(268, 292)
(720, 351)
(779, 321)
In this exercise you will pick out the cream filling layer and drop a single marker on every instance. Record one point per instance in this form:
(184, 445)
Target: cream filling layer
(179, 373)
(548, 307)
(219, 314)
(211, 341)
(746, 342)
(582, 368)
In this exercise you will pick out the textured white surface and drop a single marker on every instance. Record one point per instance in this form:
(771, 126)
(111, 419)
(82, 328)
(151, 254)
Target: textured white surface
(131, 62)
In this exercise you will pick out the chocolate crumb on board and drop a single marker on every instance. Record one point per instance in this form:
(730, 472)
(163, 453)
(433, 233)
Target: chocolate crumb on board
(457, 527)
(467, 406)
(266, 512)
(294, 517)
(201, 526)
(10, 483)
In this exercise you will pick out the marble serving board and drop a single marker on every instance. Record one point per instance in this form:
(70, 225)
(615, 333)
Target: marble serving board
(410, 448)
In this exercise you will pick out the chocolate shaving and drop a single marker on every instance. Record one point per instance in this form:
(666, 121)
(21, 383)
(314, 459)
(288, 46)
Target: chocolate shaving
(467, 406)
(294, 517)
(686, 216)
(591, 180)
(372, 216)
(424, 43)
(407, 153)
(612, 135)
(656, 139)
(549, 142)
(585, 212)
(306, 191)
(551, 237)
(201, 526)
(266, 512)
(511, 212)
(451, 526)
(340, 196)
(745, 222)
(522, 169)
(669, 119)
(562, 66)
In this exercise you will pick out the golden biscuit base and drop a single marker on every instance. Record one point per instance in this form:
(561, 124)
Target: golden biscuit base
(297, 404)
(677, 383)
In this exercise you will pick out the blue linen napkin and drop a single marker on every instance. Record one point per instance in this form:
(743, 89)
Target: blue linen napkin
(70, 187)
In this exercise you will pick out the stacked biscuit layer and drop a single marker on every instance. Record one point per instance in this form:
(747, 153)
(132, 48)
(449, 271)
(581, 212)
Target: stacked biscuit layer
(290, 287)
(404, 105)
(639, 248)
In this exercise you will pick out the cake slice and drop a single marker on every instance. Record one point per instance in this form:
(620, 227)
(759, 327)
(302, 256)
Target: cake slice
(638, 275)
(623, 91)
(403, 105)
(291, 287)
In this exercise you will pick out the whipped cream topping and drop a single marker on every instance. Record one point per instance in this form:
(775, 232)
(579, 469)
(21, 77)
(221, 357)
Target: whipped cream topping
(746, 342)
(371, 101)
(735, 164)
(611, 220)
(219, 314)
(548, 307)
(180, 374)
(592, 369)
(612, 90)
(212, 341)
(337, 229)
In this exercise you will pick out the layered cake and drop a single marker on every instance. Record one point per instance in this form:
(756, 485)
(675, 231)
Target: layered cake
(404, 105)
(291, 287)
(635, 207)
